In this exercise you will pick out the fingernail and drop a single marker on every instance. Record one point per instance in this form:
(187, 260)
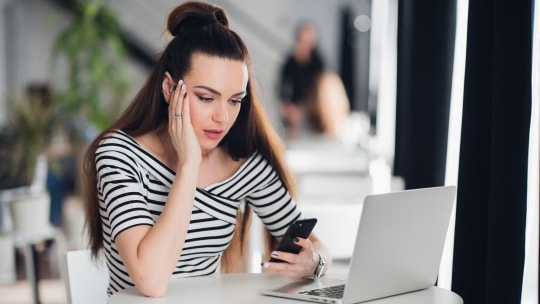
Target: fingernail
(174, 87)
(265, 265)
(296, 240)
(183, 86)
(185, 94)
(274, 254)
(180, 81)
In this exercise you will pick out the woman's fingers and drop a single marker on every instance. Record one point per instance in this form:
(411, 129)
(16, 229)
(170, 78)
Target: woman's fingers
(175, 110)
(294, 265)
(175, 106)
(287, 269)
(179, 91)
(185, 107)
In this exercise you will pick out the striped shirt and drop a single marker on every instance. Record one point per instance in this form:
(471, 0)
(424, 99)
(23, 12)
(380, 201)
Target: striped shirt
(133, 187)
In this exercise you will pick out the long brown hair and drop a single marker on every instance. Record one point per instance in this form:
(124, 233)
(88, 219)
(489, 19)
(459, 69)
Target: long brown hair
(196, 28)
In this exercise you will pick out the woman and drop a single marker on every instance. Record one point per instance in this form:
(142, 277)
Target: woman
(165, 182)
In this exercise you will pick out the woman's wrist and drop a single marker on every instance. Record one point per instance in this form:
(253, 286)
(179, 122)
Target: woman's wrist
(319, 269)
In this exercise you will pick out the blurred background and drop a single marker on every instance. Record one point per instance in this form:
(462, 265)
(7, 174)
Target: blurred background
(387, 105)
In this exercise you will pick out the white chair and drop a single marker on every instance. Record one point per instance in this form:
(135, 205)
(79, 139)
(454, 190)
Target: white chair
(86, 279)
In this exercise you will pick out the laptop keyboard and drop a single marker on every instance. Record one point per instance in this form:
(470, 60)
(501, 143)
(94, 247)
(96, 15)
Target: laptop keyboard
(335, 292)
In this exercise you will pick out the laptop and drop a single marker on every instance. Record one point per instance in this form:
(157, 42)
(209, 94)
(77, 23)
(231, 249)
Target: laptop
(398, 249)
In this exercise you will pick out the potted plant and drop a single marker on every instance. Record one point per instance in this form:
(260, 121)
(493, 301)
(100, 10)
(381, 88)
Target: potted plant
(24, 160)
(92, 50)
(90, 77)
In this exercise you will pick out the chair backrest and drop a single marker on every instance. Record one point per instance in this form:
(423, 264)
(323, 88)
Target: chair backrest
(86, 279)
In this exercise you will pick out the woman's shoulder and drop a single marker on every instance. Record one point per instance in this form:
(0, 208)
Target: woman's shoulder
(118, 141)
(256, 157)
(257, 162)
(115, 134)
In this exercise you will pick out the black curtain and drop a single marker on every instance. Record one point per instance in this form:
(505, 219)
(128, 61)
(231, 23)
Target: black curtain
(426, 35)
(347, 58)
(491, 202)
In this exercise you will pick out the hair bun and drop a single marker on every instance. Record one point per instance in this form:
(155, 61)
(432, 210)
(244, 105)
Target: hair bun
(195, 14)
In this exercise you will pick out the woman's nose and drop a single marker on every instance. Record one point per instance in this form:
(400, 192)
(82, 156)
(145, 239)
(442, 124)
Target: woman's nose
(221, 113)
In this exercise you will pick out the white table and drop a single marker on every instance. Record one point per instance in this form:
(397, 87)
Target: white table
(244, 288)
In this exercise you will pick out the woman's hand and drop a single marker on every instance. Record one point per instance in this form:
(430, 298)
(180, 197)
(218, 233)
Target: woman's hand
(180, 129)
(298, 265)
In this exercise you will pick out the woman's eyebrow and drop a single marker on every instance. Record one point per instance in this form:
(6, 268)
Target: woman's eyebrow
(215, 91)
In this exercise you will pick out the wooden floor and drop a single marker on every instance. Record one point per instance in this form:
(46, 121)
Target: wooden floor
(51, 292)
(51, 286)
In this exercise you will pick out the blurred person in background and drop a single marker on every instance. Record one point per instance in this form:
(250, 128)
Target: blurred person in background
(327, 108)
(297, 78)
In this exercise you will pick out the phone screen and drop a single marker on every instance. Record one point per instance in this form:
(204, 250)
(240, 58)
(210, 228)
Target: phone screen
(300, 228)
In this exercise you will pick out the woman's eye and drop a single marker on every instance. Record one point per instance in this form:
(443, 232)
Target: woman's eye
(206, 99)
(236, 101)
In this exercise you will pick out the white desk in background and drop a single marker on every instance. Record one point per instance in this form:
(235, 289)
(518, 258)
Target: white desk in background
(244, 288)
(326, 156)
(327, 161)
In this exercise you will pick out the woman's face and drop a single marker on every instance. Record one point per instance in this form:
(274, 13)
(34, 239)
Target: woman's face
(215, 87)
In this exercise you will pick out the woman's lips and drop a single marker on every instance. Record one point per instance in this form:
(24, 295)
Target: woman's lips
(213, 134)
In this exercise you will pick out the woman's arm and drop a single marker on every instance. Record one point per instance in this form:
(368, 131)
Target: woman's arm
(150, 253)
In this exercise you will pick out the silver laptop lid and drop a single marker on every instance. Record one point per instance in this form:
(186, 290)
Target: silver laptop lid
(399, 242)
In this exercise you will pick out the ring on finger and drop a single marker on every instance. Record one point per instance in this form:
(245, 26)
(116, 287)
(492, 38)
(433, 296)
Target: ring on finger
(177, 116)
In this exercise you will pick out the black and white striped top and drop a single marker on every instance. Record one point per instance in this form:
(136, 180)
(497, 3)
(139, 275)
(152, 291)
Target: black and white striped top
(132, 189)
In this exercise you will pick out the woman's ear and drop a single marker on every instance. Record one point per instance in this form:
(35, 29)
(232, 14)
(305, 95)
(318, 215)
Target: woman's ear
(166, 86)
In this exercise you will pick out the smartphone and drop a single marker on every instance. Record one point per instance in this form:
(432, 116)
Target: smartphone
(300, 228)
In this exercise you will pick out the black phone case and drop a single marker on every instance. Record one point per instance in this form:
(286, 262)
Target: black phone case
(301, 228)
